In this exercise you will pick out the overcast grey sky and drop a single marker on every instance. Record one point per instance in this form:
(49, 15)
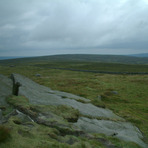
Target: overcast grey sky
(47, 27)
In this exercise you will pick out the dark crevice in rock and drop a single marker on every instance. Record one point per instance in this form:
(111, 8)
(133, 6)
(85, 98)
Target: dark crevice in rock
(17, 122)
(3, 108)
(15, 87)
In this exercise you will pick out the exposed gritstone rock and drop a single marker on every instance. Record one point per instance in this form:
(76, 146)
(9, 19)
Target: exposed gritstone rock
(93, 119)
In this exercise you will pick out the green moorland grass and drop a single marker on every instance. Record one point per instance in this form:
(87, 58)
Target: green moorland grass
(131, 101)
(32, 135)
(40, 136)
(96, 66)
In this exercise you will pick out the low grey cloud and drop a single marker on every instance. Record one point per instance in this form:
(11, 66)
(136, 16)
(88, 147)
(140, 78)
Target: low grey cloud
(35, 27)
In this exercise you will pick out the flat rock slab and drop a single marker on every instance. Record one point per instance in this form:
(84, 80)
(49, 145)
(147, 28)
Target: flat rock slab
(122, 130)
(5, 89)
(71, 96)
(38, 94)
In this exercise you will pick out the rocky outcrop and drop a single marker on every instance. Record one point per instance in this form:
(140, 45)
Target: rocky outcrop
(5, 89)
(92, 119)
(38, 94)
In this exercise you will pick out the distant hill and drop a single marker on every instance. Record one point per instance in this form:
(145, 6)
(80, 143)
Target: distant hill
(82, 58)
(140, 55)
(4, 58)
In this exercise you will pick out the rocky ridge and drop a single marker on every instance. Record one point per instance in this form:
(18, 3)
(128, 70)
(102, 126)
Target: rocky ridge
(92, 119)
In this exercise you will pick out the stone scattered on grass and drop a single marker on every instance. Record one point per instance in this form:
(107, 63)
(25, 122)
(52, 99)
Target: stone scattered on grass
(37, 75)
(99, 97)
(114, 92)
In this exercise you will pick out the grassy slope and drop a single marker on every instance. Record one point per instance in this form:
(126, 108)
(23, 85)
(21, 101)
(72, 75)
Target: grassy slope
(130, 103)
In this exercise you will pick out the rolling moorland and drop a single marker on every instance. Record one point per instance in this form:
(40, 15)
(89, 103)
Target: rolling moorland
(131, 55)
(82, 58)
(130, 100)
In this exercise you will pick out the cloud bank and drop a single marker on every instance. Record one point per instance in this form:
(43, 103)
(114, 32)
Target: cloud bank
(35, 27)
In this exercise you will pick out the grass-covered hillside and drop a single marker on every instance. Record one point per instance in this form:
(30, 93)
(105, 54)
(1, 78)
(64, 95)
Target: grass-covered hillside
(81, 58)
(129, 101)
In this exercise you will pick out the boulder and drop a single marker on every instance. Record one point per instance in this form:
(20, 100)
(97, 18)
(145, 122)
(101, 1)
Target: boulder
(114, 92)
(37, 75)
